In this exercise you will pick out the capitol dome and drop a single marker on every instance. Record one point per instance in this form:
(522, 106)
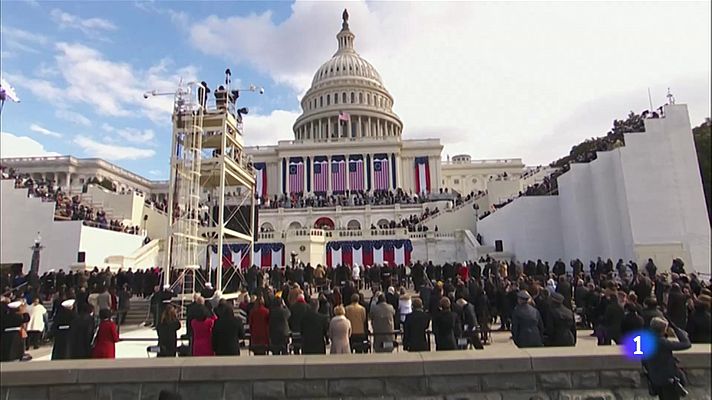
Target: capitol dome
(347, 98)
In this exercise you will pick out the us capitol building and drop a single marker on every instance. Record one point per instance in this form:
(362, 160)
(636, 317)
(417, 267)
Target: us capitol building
(347, 139)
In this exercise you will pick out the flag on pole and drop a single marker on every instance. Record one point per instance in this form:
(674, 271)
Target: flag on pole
(344, 116)
(261, 179)
(7, 91)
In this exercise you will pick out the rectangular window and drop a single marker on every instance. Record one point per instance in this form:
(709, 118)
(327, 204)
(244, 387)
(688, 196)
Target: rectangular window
(328, 99)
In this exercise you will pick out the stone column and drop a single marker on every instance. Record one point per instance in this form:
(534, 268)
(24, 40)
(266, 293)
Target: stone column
(399, 172)
(348, 125)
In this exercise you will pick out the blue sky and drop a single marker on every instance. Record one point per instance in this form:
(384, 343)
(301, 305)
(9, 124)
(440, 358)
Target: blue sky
(489, 79)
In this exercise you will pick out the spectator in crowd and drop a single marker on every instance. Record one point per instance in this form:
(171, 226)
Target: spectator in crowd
(315, 328)
(677, 305)
(415, 337)
(662, 370)
(259, 327)
(167, 330)
(202, 343)
(278, 327)
(36, 325)
(81, 332)
(381, 316)
(356, 314)
(650, 311)
(561, 324)
(60, 330)
(699, 323)
(527, 325)
(613, 318)
(445, 327)
(227, 331)
(340, 331)
(106, 336)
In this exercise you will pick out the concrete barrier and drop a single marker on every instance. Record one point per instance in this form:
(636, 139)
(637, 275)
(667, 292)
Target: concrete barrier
(543, 373)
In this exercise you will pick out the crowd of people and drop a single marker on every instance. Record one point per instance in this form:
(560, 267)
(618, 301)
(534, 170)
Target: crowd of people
(67, 207)
(354, 198)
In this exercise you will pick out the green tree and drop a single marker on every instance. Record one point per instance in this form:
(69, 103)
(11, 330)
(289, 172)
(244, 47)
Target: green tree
(703, 136)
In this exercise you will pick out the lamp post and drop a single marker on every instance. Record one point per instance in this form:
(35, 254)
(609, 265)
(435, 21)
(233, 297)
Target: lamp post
(35, 262)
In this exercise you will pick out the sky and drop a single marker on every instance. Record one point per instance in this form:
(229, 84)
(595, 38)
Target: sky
(493, 80)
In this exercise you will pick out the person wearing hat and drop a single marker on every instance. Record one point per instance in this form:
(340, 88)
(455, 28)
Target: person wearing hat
(163, 298)
(664, 375)
(561, 323)
(60, 330)
(527, 325)
(13, 316)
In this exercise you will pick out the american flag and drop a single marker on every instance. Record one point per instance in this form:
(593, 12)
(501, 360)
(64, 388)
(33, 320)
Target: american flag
(296, 176)
(338, 175)
(344, 116)
(380, 169)
(356, 174)
(321, 174)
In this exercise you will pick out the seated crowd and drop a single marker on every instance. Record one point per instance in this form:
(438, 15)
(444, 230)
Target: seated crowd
(67, 208)
(355, 198)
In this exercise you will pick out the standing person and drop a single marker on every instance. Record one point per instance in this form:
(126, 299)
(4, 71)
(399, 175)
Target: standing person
(699, 324)
(664, 375)
(60, 330)
(561, 323)
(279, 327)
(339, 332)
(613, 317)
(356, 314)
(103, 300)
(527, 325)
(381, 316)
(203, 334)
(227, 331)
(677, 306)
(405, 305)
(259, 327)
(124, 304)
(314, 329)
(445, 327)
(106, 337)
(414, 328)
(13, 316)
(36, 326)
(167, 329)
(81, 333)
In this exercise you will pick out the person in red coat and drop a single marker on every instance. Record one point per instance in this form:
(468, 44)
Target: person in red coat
(106, 337)
(464, 273)
(203, 334)
(259, 327)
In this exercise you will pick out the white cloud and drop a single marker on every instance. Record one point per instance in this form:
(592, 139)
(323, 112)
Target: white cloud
(15, 39)
(44, 131)
(268, 129)
(132, 135)
(73, 117)
(112, 152)
(89, 26)
(41, 88)
(21, 146)
(491, 79)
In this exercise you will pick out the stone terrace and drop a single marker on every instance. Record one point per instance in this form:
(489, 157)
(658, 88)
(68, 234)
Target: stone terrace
(544, 373)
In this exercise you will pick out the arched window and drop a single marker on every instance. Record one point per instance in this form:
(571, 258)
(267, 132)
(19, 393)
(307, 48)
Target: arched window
(360, 98)
(353, 98)
(321, 101)
(343, 97)
(328, 99)
(336, 98)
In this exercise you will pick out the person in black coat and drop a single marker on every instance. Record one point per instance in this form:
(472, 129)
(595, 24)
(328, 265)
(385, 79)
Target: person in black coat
(527, 325)
(561, 324)
(415, 326)
(227, 331)
(700, 322)
(12, 316)
(677, 306)
(167, 328)
(564, 287)
(297, 311)
(278, 327)
(446, 327)
(315, 327)
(81, 333)
(60, 330)
(612, 321)
(662, 366)
(632, 320)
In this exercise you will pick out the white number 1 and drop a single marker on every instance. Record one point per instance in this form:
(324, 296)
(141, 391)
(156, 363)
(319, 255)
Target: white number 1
(637, 351)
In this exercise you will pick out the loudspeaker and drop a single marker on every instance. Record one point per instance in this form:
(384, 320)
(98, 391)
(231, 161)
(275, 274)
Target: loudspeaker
(81, 256)
(498, 246)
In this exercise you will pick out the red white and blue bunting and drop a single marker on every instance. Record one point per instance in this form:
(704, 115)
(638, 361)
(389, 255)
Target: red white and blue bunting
(264, 255)
(368, 252)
